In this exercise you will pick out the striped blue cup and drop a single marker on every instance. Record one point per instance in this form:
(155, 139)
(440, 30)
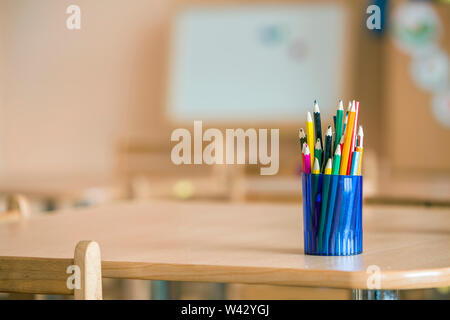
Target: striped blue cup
(332, 214)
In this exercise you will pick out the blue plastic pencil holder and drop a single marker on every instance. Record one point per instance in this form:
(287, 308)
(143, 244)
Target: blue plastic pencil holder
(332, 214)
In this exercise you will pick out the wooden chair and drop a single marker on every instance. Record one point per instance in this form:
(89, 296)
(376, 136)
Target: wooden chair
(80, 276)
(17, 209)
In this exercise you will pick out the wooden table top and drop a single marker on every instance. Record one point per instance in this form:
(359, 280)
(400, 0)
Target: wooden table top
(240, 243)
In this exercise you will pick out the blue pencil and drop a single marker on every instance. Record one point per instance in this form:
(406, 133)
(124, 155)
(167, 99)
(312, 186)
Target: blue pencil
(355, 163)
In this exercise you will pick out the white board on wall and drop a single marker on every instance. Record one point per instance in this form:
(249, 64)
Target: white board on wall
(247, 63)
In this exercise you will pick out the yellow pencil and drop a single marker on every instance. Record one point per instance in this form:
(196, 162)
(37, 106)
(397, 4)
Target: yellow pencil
(347, 141)
(360, 148)
(329, 166)
(310, 136)
(316, 168)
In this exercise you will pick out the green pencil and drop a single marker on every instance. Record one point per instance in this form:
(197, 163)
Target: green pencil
(323, 209)
(318, 153)
(339, 124)
(337, 160)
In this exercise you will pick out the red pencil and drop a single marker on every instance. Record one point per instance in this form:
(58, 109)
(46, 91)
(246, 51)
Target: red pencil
(353, 141)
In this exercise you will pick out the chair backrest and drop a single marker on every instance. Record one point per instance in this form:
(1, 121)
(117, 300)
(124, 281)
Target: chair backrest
(80, 276)
(17, 208)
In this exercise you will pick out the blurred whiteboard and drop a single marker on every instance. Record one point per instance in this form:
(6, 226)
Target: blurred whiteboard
(247, 63)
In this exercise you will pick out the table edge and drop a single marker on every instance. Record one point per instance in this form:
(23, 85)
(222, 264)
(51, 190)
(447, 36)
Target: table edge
(399, 279)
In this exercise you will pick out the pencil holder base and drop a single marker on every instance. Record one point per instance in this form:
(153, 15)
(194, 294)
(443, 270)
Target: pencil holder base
(341, 244)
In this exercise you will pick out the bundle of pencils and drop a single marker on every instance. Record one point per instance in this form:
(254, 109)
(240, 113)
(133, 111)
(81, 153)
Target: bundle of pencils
(329, 211)
(344, 155)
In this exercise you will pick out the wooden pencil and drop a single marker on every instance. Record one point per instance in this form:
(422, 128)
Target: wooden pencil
(316, 168)
(310, 136)
(318, 152)
(337, 161)
(302, 137)
(347, 141)
(355, 163)
(341, 143)
(323, 209)
(353, 141)
(346, 115)
(339, 124)
(317, 123)
(360, 148)
(306, 159)
(327, 152)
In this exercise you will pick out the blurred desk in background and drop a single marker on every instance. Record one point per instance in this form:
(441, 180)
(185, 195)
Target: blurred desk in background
(413, 188)
(395, 190)
(56, 191)
(149, 173)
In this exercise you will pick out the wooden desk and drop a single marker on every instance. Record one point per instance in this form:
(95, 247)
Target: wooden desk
(240, 244)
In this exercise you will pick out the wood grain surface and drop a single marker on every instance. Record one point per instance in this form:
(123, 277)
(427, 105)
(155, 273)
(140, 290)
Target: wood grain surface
(240, 243)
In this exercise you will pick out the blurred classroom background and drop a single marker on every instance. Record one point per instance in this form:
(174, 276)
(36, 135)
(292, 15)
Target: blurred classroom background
(86, 115)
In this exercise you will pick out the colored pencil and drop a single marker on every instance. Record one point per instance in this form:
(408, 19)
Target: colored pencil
(316, 168)
(341, 143)
(347, 142)
(323, 209)
(355, 163)
(329, 166)
(346, 116)
(310, 136)
(337, 161)
(339, 124)
(360, 148)
(306, 159)
(327, 149)
(360, 137)
(330, 208)
(302, 137)
(353, 141)
(318, 152)
(317, 123)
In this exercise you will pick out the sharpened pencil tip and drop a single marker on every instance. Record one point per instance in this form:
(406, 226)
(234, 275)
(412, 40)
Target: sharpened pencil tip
(316, 107)
(329, 164)
(316, 165)
(329, 131)
(308, 117)
(360, 131)
(301, 133)
(318, 145)
(306, 149)
(338, 150)
(341, 105)
(349, 106)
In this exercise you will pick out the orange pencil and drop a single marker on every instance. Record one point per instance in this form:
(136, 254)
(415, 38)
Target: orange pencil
(353, 142)
(347, 141)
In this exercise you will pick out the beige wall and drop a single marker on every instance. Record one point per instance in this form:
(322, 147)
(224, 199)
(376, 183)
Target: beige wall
(67, 96)
(416, 142)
